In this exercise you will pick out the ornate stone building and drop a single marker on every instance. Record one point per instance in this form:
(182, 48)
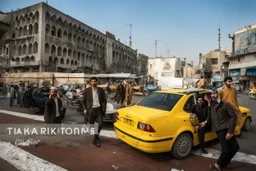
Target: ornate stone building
(43, 39)
(120, 58)
(142, 64)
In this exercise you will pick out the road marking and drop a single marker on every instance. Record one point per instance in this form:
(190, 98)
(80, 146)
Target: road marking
(240, 157)
(23, 160)
(214, 154)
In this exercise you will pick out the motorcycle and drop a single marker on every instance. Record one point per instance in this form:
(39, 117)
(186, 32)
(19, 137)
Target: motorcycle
(252, 95)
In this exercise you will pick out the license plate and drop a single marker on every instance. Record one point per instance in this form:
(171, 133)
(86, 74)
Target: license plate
(128, 121)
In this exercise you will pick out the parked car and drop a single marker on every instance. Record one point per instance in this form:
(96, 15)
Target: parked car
(42, 94)
(161, 122)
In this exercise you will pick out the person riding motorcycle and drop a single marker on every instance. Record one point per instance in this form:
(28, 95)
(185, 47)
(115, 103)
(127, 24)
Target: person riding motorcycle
(254, 88)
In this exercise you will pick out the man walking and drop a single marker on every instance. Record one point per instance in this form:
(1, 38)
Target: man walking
(94, 104)
(223, 118)
(202, 111)
(54, 112)
(120, 93)
(228, 94)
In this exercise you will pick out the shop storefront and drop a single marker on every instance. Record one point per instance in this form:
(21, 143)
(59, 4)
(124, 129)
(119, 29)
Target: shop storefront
(217, 81)
(235, 73)
(251, 72)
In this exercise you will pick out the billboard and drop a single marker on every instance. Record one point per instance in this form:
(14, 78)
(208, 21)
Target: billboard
(245, 42)
(167, 69)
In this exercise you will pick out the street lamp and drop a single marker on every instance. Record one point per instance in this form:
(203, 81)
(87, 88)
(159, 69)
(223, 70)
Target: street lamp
(168, 52)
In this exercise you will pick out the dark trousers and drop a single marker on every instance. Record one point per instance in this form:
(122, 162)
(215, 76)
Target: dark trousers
(58, 120)
(229, 148)
(11, 101)
(96, 115)
(201, 133)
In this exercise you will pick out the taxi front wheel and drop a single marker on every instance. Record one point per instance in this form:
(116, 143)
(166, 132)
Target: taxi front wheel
(182, 146)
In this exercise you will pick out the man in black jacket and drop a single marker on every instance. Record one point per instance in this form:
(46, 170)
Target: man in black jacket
(54, 112)
(202, 111)
(223, 118)
(94, 104)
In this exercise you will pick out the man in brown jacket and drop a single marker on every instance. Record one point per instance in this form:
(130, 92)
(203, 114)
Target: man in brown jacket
(128, 93)
(228, 94)
(223, 118)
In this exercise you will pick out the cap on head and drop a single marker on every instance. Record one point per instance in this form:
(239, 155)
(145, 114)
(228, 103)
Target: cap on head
(214, 90)
(53, 88)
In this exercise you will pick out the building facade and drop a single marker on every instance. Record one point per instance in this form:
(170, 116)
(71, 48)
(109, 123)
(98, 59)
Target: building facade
(164, 67)
(119, 57)
(142, 64)
(242, 63)
(43, 39)
(4, 49)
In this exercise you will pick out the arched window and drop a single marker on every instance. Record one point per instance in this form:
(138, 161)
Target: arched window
(37, 15)
(30, 29)
(69, 53)
(30, 48)
(74, 54)
(24, 50)
(35, 28)
(59, 51)
(53, 50)
(19, 50)
(47, 28)
(35, 49)
(61, 61)
(47, 48)
(59, 33)
(78, 56)
(25, 30)
(64, 52)
(69, 37)
(53, 33)
(65, 34)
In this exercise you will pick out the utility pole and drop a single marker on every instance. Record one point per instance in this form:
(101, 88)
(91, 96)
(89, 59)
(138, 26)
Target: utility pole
(130, 37)
(156, 46)
(168, 52)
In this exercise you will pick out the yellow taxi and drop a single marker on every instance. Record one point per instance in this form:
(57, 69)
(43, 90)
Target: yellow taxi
(162, 122)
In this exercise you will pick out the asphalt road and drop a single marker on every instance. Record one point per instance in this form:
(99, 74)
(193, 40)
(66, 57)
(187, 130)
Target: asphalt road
(247, 141)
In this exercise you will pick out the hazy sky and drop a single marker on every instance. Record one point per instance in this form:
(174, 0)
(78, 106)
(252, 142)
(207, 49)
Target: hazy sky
(186, 27)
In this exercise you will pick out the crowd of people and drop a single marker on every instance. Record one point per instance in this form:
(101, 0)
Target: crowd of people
(20, 94)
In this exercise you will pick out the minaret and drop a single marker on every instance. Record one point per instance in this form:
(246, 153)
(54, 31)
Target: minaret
(219, 38)
(130, 42)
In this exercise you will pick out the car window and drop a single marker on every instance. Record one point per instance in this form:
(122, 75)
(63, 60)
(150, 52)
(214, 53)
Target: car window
(162, 101)
(188, 105)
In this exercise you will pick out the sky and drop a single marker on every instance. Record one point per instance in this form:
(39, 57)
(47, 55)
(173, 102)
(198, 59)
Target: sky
(185, 28)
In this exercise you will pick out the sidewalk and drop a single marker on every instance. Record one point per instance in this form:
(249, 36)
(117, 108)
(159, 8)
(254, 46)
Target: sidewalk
(79, 154)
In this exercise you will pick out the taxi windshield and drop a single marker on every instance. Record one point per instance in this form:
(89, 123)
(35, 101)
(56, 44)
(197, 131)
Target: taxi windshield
(162, 101)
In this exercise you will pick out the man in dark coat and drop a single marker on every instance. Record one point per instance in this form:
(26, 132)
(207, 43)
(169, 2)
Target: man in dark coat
(202, 111)
(120, 93)
(54, 112)
(223, 117)
(94, 104)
